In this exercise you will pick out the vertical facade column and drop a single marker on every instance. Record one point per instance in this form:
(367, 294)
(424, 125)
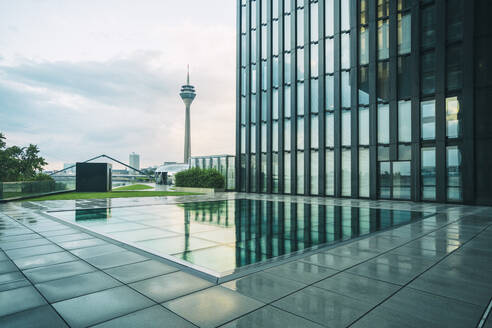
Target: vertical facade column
(293, 98)
(354, 91)
(269, 175)
(373, 123)
(321, 100)
(440, 101)
(258, 123)
(415, 66)
(393, 81)
(248, 97)
(307, 98)
(281, 105)
(237, 161)
(337, 102)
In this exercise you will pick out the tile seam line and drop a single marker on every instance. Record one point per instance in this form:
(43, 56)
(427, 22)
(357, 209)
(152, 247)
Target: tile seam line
(100, 270)
(367, 260)
(339, 271)
(485, 315)
(418, 276)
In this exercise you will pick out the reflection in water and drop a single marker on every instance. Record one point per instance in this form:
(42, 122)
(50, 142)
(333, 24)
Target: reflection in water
(266, 229)
(102, 212)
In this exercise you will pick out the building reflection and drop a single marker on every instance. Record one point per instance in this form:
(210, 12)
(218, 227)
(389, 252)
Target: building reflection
(267, 229)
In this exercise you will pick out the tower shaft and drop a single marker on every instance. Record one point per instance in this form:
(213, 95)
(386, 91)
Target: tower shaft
(187, 141)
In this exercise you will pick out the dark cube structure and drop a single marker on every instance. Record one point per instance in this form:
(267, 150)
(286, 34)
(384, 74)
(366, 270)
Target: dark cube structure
(93, 177)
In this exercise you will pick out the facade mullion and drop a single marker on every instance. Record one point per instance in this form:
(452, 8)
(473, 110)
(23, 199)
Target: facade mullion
(354, 80)
(307, 97)
(440, 101)
(337, 102)
(415, 67)
(321, 100)
(393, 81)
(237, 162)
(281, 105)
(373, 123)
(269, 178)
(293, 98)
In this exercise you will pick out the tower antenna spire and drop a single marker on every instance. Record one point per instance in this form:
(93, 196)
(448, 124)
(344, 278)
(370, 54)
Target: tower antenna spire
(188, 76)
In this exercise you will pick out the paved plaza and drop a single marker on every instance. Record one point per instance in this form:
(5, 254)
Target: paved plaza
(434, 272)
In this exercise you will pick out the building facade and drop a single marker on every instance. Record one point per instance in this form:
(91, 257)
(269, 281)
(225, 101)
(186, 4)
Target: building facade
(378, 99)
(134, 161)
(223, 163)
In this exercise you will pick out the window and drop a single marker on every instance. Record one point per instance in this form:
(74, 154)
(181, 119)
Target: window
(300, 132)
(346, 94)
(383, 84)
(454, 58)
(314, 172)
(364, 46)
(287, 134)
(404, 33)
(314, 22)
(404, 77)
(428, 119)
(300, 64)
(329, 57)
(454, 13)
(300, 27)
(314, 131)
(314, 96)
(401, 180)
(383, 123)
(363, 172)
(345, 14)
(363, 85)
(300, 98)
(452, 117)
(453, 165)
(384, 180)
(405, 121)
(346, 172)
(329, 17)
(346, 130)
(314, 60)
(345, 52)
(300, 172)
(383, 39)
(287, 32)
(428, 32)
(329, 134)
(364, 126)
(330, 172)
(287, 172)
(287, 103)
(329, 92)
(428, 171)
(428, 76)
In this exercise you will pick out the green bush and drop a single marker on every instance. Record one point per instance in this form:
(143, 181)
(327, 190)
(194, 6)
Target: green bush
(200, 178)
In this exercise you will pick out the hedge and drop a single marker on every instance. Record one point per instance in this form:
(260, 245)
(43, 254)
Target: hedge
(200, 178)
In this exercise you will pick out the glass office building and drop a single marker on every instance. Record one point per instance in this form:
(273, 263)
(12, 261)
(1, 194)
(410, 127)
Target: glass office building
(379, 99)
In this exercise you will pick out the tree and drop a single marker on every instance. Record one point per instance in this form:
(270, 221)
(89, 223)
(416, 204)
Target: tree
(19, 163)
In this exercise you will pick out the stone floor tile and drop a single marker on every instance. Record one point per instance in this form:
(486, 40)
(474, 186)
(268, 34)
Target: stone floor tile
(43, 260)
(19, 299)
(97, 307)
(66, 231)
(303, 272)
(155, 316)
(358, 287)
(28, 236)
(213, 306)
(271, 317)
(58, 271)
(23, 243)
(169, 286)
(39, 317)
(75, 244)
(323, 306)
(331, 261)
(74, 286)
(70, 237)
(88, 252)
(115, 259)
(140, 271)
(7, 266)
(32, 251)
(264, 287)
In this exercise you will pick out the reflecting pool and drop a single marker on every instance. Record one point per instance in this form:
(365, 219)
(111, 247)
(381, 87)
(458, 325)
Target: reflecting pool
(223, 236)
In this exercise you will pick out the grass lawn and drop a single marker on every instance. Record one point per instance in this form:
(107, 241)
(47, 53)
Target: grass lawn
(133, 187)
(112, 194)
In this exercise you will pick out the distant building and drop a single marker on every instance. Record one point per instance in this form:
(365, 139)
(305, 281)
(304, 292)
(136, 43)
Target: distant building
(134, 162)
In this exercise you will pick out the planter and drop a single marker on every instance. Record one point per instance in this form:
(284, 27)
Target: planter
(199, 190)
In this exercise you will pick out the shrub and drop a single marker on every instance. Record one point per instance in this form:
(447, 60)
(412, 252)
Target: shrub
(200, 178)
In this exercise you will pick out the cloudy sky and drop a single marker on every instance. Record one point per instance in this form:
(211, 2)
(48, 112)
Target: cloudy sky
(83, 78)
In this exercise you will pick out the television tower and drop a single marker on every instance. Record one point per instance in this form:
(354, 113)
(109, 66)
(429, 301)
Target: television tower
(187, 94)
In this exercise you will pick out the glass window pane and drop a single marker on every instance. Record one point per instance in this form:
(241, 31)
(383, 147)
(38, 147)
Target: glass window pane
(300, 132)
(300, 172)
(329, 92)
(401, 180)
(405, 121)
(275, 38)
(287, 173)
(346, 172)
(275, 112)
(252, 173)
(346, 131)
(300, 98)
(404, 77)
(428, 75)
(383, 123)
(314, 172)
(314, 96)
(364, 85)
(428, 171)
(314, 60)
(314, 22)
(428, 119)
(454, 13)
(287, 68)
(452, 117)
(300, 27)
(329, 133)
(252, 135)
(345, 14)
(287, 134)
(300, 64)
(346, 94)
(404, 33)
(329, 56)
(275, 69)
(345, 54)
(383, 39)
(363, 172)
(383, 84)
(364, 126)
(428, 21)
(385, 180)
(287, 32)
(275, 172)
(364, 46)
(287, 7)
(287, 104)
(330, 173)
(453, 165)
(454, 57)
(314, 131)
(275, 136)
(329, 17)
